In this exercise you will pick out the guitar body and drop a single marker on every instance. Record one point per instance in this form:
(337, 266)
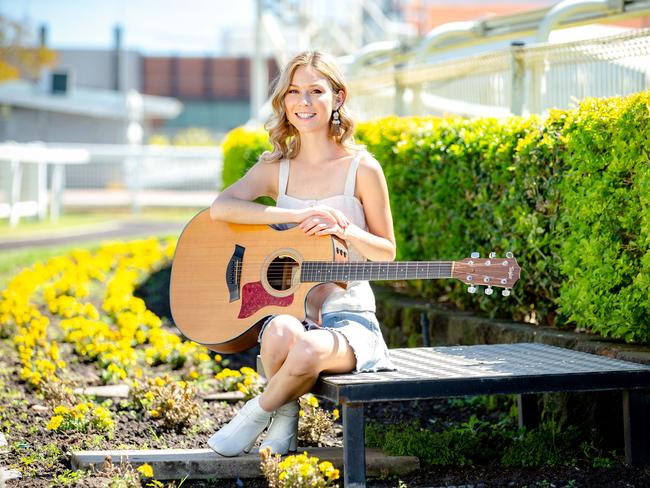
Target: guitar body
(226, 278)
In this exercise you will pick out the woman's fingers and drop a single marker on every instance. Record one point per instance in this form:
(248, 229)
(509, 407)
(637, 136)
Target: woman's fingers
(337, 215)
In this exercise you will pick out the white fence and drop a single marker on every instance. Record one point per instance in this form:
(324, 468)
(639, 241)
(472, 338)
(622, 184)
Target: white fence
(518, 80)
(35, 178)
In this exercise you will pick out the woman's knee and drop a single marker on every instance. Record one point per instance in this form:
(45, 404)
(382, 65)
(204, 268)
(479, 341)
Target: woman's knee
(304, 358)
(280, 334)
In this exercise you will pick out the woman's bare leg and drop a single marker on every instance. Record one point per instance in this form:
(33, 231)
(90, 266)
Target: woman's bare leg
(312, 353)
(279, 336)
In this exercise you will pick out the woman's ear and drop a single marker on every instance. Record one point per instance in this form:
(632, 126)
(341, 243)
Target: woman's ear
(340, 98)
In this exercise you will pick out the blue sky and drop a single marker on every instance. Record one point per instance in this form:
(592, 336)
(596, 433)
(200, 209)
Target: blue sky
(181, 26)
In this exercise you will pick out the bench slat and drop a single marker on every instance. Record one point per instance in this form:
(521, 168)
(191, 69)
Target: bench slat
(485, 369)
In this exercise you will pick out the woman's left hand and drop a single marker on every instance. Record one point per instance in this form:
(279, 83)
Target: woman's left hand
(319, 225)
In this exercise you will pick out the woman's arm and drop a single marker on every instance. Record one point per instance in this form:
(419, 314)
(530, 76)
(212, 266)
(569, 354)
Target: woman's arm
(378, 243)
(235, 204)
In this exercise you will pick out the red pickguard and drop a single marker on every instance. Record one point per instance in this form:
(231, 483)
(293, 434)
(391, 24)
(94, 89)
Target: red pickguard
(255, 297)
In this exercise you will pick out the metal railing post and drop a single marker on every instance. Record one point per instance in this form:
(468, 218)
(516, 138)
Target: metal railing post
(518, 69)
(16, 184)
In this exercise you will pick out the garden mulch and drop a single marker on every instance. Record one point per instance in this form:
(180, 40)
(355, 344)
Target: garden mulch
(23, 417)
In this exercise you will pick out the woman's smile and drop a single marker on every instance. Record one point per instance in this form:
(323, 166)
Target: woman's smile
(305, 115)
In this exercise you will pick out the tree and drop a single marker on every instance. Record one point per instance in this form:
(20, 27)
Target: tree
(19, 58)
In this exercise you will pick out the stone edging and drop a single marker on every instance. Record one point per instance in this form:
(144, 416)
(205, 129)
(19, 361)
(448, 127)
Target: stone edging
(400, 319)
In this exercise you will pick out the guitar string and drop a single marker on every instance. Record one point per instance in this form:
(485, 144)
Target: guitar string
(277, 271)
(356, 267)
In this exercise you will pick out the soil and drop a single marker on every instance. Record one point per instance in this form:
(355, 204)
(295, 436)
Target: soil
(23, 419)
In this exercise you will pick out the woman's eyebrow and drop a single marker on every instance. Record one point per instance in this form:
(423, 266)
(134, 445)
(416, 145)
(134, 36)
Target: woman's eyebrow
(313, 84)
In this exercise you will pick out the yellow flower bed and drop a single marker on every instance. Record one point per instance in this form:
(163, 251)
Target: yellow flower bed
(246, 380)
(297, 471)
(118, 336)
(82, 418)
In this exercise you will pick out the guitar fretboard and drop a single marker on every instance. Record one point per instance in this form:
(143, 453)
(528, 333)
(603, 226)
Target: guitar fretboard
(322, 272)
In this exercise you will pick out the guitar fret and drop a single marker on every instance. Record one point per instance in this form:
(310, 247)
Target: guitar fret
(318, 271)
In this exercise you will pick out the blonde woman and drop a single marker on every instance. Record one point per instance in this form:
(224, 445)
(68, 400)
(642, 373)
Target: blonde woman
(326, 185)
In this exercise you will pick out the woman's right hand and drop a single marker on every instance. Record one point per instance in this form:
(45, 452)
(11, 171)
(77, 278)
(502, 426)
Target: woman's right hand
(322, 211)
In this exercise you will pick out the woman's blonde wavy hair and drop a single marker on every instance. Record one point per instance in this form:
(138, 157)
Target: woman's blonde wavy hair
(284, 137)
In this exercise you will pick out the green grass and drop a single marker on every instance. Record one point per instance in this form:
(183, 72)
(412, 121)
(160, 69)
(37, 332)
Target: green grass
(77, 221)
(14, 260)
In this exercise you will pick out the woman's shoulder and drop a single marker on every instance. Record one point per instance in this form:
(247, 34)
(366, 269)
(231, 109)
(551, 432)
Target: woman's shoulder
(266, 166)
(368, 163)
(264, 175)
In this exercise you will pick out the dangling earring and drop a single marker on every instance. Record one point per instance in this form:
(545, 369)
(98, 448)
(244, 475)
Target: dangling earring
(335, 117)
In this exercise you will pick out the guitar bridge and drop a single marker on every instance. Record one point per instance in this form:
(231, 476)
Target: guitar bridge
(233, 272)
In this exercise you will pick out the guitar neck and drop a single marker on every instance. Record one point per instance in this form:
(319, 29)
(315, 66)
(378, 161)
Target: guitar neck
(323, 271)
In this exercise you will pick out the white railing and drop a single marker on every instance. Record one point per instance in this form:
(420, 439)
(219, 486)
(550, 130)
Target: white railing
(452, 71)
(35, 177)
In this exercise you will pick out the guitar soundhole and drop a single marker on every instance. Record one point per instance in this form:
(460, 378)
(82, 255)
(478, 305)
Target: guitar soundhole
(280, 273)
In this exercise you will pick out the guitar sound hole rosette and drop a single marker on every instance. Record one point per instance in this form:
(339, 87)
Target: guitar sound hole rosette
(281, 272)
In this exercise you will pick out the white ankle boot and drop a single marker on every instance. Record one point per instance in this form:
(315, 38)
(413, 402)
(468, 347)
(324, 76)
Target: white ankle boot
(241, 432)
(282, 436)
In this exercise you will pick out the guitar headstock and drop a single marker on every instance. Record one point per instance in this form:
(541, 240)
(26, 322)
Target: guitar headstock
(490, 272)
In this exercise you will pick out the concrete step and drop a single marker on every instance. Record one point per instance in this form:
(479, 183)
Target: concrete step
(176, 464)
(121, 390)
(105, 392)
(4, 445)
(223, 396)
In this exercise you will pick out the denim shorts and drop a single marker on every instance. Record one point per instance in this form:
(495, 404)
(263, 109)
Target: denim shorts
(361, 329)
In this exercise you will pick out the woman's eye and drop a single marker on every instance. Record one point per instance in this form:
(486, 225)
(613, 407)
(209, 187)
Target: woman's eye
(317, 91)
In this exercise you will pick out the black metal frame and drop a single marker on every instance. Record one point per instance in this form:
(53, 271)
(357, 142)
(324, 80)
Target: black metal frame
(634, 385)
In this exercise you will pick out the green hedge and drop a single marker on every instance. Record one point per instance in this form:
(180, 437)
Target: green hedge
(241, 149)
(568, 195)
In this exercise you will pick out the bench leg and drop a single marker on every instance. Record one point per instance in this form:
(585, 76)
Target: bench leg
(528, 406)
(636, 427)
(354, 449)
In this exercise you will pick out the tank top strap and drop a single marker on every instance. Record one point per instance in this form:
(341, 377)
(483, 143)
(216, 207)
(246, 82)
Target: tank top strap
(284, 177)
(351, 179)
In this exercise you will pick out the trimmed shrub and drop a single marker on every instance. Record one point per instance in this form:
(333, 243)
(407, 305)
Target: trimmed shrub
(568, 195)
(241, 149)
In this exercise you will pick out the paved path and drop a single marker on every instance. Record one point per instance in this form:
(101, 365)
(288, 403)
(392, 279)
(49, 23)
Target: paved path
(111, 230)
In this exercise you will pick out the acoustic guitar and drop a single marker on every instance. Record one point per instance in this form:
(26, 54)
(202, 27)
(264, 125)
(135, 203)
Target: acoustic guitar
(227, 278)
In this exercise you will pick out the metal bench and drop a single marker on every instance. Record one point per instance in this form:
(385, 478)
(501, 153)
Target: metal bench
(521, 369)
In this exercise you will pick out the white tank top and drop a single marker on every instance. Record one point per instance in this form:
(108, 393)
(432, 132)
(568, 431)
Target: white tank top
(358, 296)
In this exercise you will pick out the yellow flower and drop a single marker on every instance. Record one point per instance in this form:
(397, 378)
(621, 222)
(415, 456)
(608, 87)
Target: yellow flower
(335, 413)
(61, 410)
(145, 470)
(312, 401)
(55, 422)
(154, 413)
(325, 466)
(304, 469)
(301, 413)
(283, 475)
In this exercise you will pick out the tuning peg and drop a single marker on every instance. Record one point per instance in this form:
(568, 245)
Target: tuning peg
(505, 292)
(471, 289)
(489, 290)
(509, 255)
(492, 255)
(475, 255)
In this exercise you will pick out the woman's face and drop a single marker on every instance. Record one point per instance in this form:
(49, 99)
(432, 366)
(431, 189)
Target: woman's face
(309, 101)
